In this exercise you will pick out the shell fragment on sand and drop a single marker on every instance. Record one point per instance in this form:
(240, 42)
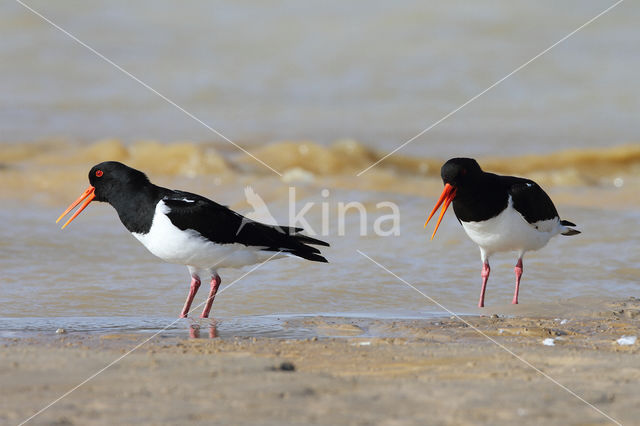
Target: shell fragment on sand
(627, 340)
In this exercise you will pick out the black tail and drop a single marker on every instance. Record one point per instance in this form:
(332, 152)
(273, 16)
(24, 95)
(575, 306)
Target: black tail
(301, 249)
(308, 240)
(307, 255)
(569, 231)
(289, 240)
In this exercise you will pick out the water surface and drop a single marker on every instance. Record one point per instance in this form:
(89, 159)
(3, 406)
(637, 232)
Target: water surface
(374, 73)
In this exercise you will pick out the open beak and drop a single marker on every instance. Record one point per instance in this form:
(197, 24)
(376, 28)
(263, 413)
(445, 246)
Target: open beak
(89, 195)
(446, 197)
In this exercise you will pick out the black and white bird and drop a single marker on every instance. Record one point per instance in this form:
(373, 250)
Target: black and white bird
(498, 213)
(184, 228)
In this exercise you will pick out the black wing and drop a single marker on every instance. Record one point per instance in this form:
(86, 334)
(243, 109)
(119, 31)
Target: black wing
(222, 225)
(531, 201)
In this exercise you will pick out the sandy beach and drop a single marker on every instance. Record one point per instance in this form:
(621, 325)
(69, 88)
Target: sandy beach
(437, 371)
(335, 117)
(342, 352)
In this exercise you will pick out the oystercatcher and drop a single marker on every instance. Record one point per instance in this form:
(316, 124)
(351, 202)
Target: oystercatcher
(498, 213)
(184, 228)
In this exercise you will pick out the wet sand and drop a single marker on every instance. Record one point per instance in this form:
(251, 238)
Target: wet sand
(434, 371)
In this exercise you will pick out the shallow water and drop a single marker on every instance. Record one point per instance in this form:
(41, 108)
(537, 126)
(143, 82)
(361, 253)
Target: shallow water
(260, 74)
(281, 326)
(264, 326)
(95, 269)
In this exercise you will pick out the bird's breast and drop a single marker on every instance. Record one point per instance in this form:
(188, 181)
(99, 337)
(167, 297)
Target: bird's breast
(167, 241)
(189, 247)
(509, 231)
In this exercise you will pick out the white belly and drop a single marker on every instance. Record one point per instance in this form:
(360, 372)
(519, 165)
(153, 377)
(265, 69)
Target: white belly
(509, 231)
(188, 247)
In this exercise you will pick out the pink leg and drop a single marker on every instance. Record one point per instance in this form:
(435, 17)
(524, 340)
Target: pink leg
(485, 277)
(215, 283)
(195, 285)
(518, 270)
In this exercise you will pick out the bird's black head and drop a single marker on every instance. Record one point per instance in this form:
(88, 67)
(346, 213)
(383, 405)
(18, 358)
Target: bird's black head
(112, 182)
(458, 172)
(458, 176)
(112, 179)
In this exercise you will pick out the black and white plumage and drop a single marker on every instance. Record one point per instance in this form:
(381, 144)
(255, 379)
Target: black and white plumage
(185, 228)
(499, 213)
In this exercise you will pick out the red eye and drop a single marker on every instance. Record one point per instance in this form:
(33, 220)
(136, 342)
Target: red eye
(99, 173)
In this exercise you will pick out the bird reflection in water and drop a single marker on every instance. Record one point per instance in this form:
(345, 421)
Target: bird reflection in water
(194, 330)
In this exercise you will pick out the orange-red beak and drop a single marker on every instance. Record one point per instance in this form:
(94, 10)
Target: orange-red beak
(446, 197)
(89, 195)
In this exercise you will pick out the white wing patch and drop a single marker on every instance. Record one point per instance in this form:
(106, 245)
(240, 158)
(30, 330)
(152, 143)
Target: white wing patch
(186, 200)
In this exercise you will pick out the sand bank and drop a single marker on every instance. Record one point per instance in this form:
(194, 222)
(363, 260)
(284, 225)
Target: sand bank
(29, 169)
(437, 371)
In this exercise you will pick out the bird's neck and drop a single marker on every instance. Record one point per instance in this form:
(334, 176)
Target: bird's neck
(478, 199)
(136, 209)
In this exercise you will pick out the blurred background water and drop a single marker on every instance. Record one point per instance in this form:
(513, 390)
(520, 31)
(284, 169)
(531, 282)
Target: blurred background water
(375, 73)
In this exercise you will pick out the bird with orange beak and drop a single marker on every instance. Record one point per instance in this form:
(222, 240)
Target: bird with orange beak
(498, 213)
(189, 229)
